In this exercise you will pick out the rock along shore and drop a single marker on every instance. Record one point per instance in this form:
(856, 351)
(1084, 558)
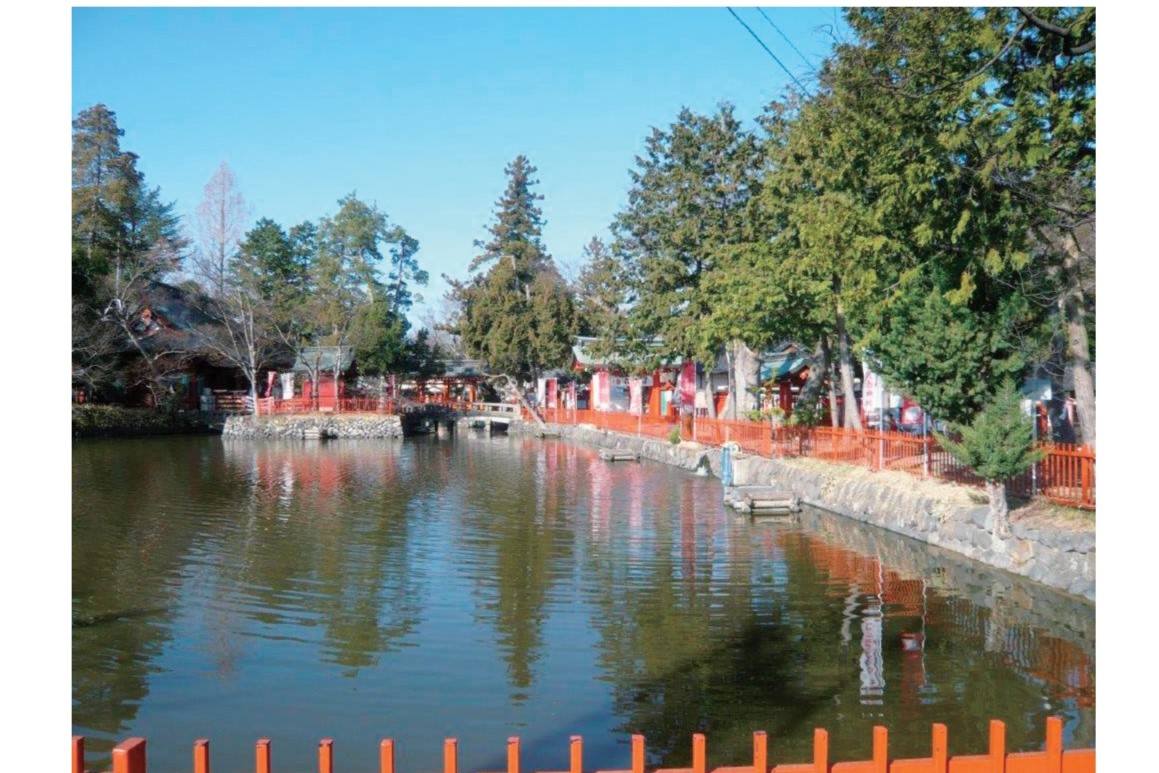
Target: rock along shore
(938, 514)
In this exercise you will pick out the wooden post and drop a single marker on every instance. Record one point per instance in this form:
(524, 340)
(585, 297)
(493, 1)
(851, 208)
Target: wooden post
(513, 754)
(326, 755)
(760, 752)
(129, 756)
(1085, 493)
(880, 750)
(699, 763)
(820, 751)
(1053, 745)
(940, 750)
(637, 754)
(262, 756)
(201, 755)
(78, 754)
(997, 746)
(386, 756)
(577, 754)
(451, 756)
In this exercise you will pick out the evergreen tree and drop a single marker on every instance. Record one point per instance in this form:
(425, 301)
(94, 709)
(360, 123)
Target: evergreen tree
(690, 205)
(519, 316)
(997, 445)
(124, 239)
(947, 356)
(104, 183)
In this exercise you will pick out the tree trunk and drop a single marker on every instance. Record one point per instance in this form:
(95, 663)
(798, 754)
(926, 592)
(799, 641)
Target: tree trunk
(831, 372)
(710, 397)
(997, 518)
(745, 368)
(251, 376)
(852, 419)
(1075, 316)
(817, 367)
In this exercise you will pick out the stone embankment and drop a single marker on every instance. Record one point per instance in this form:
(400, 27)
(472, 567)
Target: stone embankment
(314, 426)
(939, 514)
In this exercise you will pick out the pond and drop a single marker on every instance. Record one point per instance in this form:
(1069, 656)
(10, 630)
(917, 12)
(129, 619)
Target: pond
(484, 587)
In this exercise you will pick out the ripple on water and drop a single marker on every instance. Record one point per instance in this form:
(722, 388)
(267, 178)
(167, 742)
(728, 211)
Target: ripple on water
(485, 587)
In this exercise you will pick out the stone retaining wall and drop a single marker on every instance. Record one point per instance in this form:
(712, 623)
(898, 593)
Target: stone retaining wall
(348, 425)
(938, 514)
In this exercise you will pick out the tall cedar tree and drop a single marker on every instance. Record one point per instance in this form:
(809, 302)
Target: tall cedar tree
(603, 295)
(125, 238)
(690, 206)
(519, 316)
(1004, 102)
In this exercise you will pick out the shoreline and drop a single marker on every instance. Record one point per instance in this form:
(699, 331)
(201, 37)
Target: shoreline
(1040, 548)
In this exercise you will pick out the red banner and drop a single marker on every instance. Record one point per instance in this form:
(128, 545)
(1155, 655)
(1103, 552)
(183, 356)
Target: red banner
(688, 385)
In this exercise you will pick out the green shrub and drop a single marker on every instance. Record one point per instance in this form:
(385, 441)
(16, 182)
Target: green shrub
(999, 443)
(674, 436)
(89, 420)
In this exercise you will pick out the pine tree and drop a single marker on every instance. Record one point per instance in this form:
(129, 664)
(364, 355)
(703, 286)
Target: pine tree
(519, 316)
(690, 205)
(997, 445)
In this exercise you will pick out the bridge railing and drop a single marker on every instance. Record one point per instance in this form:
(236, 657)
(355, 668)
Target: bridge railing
(130, 757)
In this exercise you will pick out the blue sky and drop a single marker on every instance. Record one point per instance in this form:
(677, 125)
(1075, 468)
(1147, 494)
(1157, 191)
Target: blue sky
(420, 109)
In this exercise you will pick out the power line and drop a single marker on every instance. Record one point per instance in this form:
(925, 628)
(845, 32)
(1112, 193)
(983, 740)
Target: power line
(767, 51)
(786, 37)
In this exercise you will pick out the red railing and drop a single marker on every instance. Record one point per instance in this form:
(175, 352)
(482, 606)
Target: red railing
(1066, 475)
(129, 756)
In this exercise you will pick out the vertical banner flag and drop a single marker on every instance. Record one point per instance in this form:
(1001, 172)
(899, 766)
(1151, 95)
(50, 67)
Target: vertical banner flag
(870, 397)
(605, 398)
(688, 383)
(552, 386)
(271, 375)
(636, 396)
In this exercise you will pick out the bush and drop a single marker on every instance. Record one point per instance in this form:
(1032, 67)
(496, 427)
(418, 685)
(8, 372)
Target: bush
(999, 443)
(674, 436)
(91, 420)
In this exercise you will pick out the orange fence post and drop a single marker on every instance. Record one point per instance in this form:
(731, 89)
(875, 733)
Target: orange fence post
(760, 752)
(451, 756)
(880, 750)
(577, 754)
(129, 756)
(326, 755)
(940, 751)
(262, 756)
(997, 746)
(820, 751)
(78, 754)
(386, 756)
(699, 763)
(201, 755)
(1085, 494)
(513, 754)
(1053, 745)
(637, 754)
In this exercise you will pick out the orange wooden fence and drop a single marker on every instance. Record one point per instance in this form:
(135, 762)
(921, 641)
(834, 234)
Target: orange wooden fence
(1066, 475)
(129, 756)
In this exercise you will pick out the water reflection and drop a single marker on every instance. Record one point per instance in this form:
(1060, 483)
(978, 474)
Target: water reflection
(487, 586)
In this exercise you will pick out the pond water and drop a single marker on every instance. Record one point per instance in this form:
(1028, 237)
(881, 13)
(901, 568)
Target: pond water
(487, 587)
